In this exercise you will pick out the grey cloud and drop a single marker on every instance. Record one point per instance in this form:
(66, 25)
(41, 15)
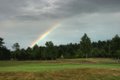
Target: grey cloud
(71, 8)
(9, 8)
(89, 6)
(41, 9)
(24, 20)
(22, 9)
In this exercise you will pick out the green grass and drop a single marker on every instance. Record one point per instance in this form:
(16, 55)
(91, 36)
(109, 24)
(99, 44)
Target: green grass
(66, 69)
(37, 67)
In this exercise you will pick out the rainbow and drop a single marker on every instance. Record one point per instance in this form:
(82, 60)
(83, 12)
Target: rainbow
(41, 37)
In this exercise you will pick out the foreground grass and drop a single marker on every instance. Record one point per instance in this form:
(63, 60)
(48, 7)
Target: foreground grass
(69, 74)
(41, 66)
(68, 69)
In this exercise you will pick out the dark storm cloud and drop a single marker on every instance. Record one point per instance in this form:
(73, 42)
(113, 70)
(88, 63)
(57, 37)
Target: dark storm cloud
(35, 10)
(88, 6)
(41, 9)
(76, 7)
(10, 8)
(28, 19)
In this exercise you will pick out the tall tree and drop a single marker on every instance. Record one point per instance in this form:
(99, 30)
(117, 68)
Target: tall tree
(29, 52)
(85, 45)
(1, 42)
(115, 45)
(22, 55)
(50, 51)
(16, 46)
(36, 53)
(4, 52)
(16, 52)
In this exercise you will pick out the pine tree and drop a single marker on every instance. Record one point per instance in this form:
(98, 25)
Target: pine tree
(85, 45)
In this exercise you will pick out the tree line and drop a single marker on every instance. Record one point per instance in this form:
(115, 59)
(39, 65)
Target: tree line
(84, 49)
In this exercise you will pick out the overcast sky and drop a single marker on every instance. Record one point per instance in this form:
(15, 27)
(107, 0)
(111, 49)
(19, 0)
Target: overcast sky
(23, 21)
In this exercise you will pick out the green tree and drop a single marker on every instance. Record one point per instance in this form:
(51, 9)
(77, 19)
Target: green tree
(16, 46)
(95, 52)
(4, 52)
(29, 52)
(117, 54)
(79, 54)
(50, 51)
(1, 42)
(16, 52)
(85, 45)
(36, 53)
(69, 51)
(23, 55)
(115, 44)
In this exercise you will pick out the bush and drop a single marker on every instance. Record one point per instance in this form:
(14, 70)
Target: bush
(98, 53)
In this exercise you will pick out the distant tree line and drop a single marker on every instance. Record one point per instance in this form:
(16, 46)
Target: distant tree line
(84, 49)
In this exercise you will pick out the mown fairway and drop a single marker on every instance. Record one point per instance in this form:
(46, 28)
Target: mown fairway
(69, 69)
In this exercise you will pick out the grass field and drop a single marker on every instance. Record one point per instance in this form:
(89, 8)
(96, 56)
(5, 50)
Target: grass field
(66, 69)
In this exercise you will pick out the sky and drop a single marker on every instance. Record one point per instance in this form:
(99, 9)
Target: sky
(30, 22)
